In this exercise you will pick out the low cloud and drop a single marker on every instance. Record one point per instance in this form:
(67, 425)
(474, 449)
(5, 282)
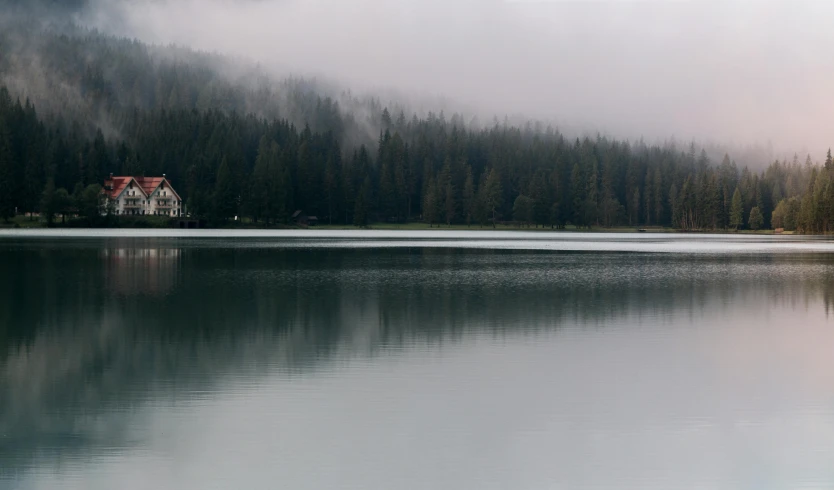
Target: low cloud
(734, 72)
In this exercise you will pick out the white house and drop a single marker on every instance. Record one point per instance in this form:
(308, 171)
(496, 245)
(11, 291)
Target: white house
(142, 196)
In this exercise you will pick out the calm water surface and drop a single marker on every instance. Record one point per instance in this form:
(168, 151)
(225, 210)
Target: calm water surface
(418, 360)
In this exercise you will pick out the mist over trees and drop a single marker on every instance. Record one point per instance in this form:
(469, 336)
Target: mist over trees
(78, 105)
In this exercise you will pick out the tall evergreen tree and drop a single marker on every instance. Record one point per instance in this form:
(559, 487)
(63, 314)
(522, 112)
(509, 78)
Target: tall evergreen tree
(523, 210)
(48, 206)
(360, 211)
(469, 202)
(736, 211)
(449, 204)
(7, 174)
(430, 204)
(756, 220)
(493, 194)
(224, 198)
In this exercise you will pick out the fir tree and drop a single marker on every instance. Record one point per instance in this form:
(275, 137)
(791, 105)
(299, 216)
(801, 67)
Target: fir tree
(224, 198)
(430, 204)
(7, 177)
(755, 220)
(493, 194)
(736, 211)
(469, 197)
(48, 204)
(523, 210)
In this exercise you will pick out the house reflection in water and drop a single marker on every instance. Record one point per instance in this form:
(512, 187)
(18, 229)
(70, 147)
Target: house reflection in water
(141, 270)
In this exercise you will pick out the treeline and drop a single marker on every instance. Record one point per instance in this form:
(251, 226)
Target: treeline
(434, 170)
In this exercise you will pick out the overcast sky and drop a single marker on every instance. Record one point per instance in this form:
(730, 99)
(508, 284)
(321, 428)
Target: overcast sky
(738, 72)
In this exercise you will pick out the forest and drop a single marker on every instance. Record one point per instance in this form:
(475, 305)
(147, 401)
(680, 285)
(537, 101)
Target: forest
(77, 105)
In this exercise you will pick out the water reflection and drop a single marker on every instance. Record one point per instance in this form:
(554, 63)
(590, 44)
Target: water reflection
(93, 333)
(140, 270)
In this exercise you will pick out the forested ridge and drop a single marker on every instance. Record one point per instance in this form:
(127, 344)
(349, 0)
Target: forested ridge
(77, 106)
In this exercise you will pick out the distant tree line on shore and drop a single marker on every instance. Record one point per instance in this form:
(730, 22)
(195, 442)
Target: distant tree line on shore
(430, 169)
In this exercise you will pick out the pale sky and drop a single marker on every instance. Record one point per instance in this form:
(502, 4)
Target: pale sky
(740, 72)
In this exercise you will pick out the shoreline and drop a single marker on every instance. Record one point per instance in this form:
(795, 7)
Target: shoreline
(453, 232)
(24, 223)
(447, 229)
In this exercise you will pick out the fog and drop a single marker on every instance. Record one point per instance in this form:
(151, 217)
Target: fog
(740, 73)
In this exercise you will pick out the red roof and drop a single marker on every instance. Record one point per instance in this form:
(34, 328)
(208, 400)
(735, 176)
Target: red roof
(146, 184)
(115, 185)
(149, 184)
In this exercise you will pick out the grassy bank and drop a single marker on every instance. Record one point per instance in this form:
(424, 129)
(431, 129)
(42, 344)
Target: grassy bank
(163, 222)
(418, 226)
(111, 222)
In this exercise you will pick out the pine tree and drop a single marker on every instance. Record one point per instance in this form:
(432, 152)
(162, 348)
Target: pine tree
(259, 197)
(449, 204)
(387, 197)
(91, 203)
(786, 214)
(736, 211)
(279, 185)
(360, 211)
(48, 202)
(331, 183)
(591, 205)
(32, 176)
(726, 205)
(634, 209)
(674, 206)
(469, 197)
(348, 185)
(399, 156)
(430, 207)
(306, 174)
(7, 177)
(225, 200)
(97, 160)
(577, 188)
(493, 194)
(755, 220)
(541, 198)
(63, 203)
(555, 216)
(523, 210)
(657, 191)
(386, 119)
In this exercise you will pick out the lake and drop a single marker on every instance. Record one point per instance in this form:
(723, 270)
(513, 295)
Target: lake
(201, 359)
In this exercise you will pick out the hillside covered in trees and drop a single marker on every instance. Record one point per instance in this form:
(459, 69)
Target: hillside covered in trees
(77, 105)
